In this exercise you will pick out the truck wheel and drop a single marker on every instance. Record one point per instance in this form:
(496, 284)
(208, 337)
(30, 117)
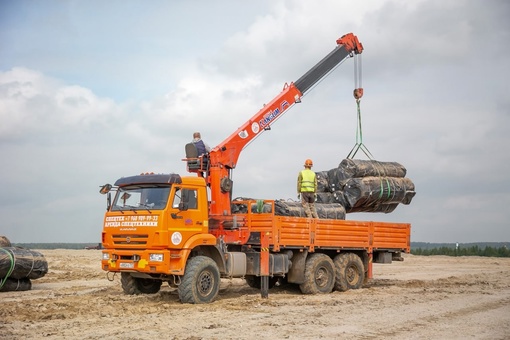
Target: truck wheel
(255, 281)
(349, 272)
(201, 281)
(135, 285)
(319, 275)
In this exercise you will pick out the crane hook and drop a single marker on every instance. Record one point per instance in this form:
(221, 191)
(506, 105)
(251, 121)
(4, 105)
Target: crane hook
(358, 93)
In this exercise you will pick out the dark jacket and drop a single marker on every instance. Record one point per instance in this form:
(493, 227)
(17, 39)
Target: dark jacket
(200, 147)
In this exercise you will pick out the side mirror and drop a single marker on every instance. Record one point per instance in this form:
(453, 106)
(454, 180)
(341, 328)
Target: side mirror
(105, 189)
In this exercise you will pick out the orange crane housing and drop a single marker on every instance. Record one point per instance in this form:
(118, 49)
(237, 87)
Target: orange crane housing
(164, 227)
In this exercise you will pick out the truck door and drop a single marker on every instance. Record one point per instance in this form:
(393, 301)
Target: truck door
(185, 213)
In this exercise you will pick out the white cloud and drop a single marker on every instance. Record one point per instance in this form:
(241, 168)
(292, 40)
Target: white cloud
(34, 105)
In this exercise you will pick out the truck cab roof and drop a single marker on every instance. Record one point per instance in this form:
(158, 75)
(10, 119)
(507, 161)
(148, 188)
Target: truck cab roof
(152, 178)
(149, 179)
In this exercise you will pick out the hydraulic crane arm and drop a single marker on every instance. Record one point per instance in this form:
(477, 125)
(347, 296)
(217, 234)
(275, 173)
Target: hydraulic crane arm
(224, 157)
(228, 151)
(346, 45)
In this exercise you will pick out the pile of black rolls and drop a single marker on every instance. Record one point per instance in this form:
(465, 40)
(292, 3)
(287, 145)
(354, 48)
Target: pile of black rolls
(365, 186)
(354, 186)
(18, 266)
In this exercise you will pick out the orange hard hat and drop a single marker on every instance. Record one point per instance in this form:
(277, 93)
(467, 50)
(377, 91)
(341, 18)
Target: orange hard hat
(308, 162)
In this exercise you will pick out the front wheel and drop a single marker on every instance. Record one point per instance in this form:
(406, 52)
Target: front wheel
(135, 285)
(201, 281)
(319, 275)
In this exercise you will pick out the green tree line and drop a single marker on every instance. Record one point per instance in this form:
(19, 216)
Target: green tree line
(475, 250)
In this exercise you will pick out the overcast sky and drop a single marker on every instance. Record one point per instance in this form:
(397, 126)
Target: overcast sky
(91, 91)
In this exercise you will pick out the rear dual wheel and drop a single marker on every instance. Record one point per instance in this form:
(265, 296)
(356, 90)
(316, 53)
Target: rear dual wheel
(319, 275)
(349, 272)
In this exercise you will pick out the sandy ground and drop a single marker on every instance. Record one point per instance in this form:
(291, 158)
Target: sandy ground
(434, 297)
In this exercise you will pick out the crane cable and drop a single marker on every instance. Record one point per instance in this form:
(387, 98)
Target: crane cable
(358, 93)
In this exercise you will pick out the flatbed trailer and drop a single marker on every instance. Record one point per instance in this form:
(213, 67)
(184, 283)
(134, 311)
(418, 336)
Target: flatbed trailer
(379, 242)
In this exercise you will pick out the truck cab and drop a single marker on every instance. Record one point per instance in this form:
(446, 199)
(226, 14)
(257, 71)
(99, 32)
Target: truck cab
(153, 222)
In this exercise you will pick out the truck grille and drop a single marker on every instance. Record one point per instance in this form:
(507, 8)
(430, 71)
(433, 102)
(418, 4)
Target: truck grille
(127, 240)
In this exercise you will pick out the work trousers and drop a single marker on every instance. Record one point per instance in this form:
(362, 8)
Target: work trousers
(308, 201)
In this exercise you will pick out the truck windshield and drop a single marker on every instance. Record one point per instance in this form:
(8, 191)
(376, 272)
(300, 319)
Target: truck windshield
(141, 198)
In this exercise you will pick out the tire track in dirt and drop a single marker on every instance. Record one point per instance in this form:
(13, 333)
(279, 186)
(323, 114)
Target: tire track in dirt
(433, 308)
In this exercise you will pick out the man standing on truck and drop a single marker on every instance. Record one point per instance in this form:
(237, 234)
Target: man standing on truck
(307, 187)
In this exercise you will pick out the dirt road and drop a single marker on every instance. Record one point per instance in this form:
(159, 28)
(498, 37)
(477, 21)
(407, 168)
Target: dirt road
(433, 297)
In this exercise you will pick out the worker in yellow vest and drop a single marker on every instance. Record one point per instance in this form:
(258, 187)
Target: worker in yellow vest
(307, 187)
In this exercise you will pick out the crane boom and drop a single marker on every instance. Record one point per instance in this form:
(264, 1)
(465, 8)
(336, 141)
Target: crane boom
(347, 45)
(223, 158)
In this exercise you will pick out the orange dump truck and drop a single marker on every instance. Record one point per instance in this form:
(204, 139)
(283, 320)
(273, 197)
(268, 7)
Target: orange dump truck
(188, 231)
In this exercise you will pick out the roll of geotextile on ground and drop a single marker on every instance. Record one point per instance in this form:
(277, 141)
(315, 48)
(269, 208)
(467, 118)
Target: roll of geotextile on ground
(10, 285)
(4, 241)
(20, 263)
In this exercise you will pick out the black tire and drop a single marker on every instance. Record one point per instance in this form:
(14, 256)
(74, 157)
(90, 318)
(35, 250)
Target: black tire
(319, 275)
(201, 281)
(255, 281)
(135, 285)
(349, 272)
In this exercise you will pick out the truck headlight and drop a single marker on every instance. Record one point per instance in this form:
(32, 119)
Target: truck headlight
(106, 256)
(156, 257)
